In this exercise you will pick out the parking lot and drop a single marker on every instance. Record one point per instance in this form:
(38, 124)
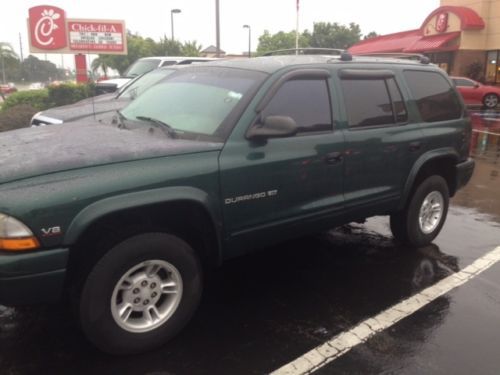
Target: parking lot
(271, 309)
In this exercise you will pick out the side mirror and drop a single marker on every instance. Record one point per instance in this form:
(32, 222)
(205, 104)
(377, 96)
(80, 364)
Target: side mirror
(476, 85)
(274, 127)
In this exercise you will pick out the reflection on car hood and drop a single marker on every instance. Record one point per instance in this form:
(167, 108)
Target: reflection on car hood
(37, 151)
(87, 108)
(119, 82)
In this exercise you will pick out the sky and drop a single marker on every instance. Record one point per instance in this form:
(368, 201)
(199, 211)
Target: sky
(150, 18)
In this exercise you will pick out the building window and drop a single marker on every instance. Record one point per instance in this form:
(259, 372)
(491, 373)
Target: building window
(492, 67)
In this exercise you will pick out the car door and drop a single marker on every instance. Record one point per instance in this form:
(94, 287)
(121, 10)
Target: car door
(381, 144)
(469, 90)
(276, 188)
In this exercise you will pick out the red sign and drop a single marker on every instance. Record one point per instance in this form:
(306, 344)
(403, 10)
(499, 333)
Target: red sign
(442, 22)
(96, 36)
(47, 27)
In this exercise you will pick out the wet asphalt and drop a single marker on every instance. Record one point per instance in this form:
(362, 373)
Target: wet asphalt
(264, 310)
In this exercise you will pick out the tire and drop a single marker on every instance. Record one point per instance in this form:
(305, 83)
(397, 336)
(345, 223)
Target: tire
(490, 101)
(419, 224)
(140, 293)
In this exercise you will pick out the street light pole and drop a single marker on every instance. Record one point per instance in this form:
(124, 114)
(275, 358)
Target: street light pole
(249, 39)
(217, 29)
(172, 20)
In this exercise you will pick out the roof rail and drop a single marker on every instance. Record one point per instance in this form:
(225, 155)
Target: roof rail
(306, 51)
(398, 55)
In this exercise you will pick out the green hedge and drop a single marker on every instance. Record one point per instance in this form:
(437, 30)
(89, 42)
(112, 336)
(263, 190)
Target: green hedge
(18, 108)
(37, 99)
(54, 96)
(69, 93)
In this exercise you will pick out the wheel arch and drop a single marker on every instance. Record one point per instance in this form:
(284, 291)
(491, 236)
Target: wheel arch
(441, 162)
(122, 216)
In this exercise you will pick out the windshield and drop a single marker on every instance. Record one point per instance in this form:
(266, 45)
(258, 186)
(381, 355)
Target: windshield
(141, 67)
(196, 100)
(140, 84)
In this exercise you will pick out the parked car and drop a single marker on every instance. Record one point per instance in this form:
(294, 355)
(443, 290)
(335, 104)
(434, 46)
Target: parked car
(214, 161)
(36, 86)
(8, 88)
(103, 107)
(145, 65)
(475, 93)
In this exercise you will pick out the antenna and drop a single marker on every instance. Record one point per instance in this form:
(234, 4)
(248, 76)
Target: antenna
(93, 87)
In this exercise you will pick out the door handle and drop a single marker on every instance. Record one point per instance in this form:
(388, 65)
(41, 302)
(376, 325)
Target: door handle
(415, 146)
(333, 157)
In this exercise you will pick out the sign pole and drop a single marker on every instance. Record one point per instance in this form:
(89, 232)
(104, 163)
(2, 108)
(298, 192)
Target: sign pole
(81, 68)
(297, 30)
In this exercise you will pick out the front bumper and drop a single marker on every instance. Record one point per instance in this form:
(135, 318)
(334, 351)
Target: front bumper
(464, 172)
(34, 277)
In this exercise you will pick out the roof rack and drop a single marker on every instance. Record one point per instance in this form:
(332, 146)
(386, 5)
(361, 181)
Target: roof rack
(398, 55)
(306, 51)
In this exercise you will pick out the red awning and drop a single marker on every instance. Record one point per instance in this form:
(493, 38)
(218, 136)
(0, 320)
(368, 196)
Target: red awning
(434, 43)
(387, 43)
(408, 41)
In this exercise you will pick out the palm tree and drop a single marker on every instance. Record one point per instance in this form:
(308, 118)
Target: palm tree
(6, 51)
(100, 63)
(191, 49)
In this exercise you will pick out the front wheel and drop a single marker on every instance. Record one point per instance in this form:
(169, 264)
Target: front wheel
(140, 293)
(490, 101)
(424, 216)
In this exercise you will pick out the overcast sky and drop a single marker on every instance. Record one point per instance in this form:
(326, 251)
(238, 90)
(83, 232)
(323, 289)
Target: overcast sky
(151, 18)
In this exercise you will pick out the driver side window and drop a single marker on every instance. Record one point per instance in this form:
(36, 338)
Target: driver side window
(306, 101)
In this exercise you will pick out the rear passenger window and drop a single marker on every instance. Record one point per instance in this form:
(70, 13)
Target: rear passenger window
(372, 102)
(306, 101)
(436, 99)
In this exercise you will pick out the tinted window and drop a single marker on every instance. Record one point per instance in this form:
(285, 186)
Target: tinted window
(368, 102)
(463, 82)
(306, 101)
(436, 99)
(397, 101)
(141, 67)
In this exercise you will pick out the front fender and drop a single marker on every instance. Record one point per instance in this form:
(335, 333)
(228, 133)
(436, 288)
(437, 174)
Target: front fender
(424, 159)
(122, 202)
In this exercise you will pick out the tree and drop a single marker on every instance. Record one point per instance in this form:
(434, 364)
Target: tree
(191, 49)
(6, 51)
(37, 70)
(334, 35)
(371, 34)
(99, 63)
(281, 40)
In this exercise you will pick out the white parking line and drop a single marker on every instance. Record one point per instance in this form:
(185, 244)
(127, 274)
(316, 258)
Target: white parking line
(345, 341)
(484, 132)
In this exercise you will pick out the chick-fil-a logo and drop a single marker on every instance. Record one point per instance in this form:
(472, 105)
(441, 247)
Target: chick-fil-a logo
(47, 27)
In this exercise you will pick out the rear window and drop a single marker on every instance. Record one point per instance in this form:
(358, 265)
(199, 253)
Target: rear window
(373, 102)
(435, 97)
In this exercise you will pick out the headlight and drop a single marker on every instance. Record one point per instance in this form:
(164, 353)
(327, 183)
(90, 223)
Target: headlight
(15, 236)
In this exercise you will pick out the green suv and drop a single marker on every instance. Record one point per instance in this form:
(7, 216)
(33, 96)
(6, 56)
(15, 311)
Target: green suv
(214, 161)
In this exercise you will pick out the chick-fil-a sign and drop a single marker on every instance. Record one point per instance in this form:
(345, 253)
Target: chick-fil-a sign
(96, 36)
(47, 27)
(51, 32)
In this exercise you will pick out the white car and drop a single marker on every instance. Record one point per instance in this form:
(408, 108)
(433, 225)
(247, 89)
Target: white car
(145, 65)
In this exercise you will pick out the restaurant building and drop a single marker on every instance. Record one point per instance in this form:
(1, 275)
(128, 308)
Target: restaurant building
(461, 36)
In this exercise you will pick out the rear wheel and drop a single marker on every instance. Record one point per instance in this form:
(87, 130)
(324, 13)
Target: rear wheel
(140, 293)
(490, 101)
(424, 216)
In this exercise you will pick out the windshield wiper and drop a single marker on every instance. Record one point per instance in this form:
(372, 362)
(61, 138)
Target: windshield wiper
(163, 125)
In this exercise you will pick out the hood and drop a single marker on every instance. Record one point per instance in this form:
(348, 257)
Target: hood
(37, 151)
(85, 108)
